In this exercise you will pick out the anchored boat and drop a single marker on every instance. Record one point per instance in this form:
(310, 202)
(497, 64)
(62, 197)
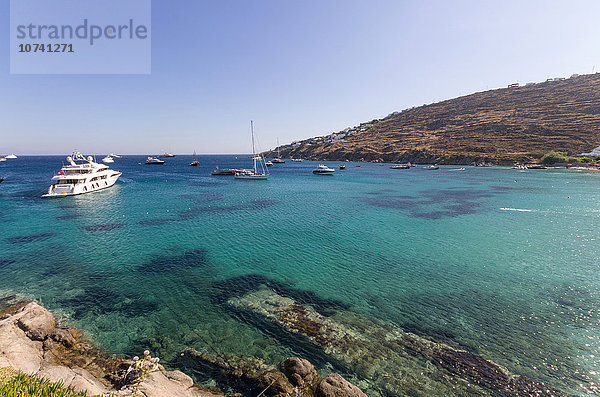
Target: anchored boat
(323, 170)
(195, 161)
(154, 161)
(81, 175)
(259, 169)
(277, 160)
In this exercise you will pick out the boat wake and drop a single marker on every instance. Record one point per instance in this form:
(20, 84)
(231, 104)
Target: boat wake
(516, 209)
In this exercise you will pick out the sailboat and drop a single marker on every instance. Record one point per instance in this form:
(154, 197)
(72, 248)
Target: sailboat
(278, 160)
(259, 169)
(195, 162)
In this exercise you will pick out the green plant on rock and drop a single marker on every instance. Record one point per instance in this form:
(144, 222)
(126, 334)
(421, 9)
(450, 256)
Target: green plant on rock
(16, 383)
(141, 368)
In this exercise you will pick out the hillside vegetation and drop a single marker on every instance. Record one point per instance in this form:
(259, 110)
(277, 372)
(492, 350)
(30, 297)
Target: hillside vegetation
(501, 126)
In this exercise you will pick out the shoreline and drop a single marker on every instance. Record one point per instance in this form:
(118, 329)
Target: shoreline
(32, 342)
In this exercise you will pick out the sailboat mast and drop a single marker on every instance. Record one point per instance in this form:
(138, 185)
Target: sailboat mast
(252, 128)
(253, 148)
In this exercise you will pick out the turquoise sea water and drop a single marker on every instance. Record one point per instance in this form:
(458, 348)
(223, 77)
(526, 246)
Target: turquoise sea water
(496, 261)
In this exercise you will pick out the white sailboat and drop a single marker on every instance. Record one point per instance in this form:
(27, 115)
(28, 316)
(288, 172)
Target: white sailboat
(278, 160)
(195, 161)
(259, 169)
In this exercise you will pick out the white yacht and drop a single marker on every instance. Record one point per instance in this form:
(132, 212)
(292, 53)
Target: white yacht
(259, 170)
(167, 154)
(2, 158)
(323, 170)
(81, 175)
(108, 159)
(11, 156)
(154, 161)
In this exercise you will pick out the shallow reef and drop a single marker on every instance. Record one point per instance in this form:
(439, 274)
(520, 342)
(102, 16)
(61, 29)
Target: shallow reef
(379, 357)
(451, 201)
(103, 227)
(30, 238)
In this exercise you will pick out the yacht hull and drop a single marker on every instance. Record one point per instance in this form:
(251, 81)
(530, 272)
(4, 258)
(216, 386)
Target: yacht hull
(59, 190)
(252, 177)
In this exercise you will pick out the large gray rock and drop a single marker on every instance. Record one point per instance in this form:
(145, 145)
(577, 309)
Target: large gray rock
(180, 377)
(300, 372)
(21, 348)
(36, 321)
(170, 384)
(76, 378)
(17, 350)
(62, 335)
(334, 385)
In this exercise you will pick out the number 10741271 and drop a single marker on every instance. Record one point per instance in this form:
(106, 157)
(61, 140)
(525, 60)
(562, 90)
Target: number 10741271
(46, 47)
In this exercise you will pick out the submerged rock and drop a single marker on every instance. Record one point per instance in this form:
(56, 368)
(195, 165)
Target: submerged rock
(294, 377)
(394, 362)
(300, 372)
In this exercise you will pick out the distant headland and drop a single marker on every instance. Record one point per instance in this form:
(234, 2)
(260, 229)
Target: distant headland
(517, 124)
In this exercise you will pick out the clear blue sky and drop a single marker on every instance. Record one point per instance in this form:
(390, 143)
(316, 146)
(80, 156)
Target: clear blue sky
(299, 68)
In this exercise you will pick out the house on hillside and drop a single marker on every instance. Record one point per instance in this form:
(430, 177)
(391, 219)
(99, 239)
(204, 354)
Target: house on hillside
(513, 85)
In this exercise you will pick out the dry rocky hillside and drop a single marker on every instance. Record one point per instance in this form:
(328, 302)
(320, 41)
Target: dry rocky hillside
(501, 126)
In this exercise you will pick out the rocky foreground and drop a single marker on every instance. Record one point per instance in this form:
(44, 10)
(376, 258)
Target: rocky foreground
(31, 341)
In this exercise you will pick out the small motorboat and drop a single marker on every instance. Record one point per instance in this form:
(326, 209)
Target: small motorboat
(224, 171)
(400, 167)
(342, 167)
(108, 159)
(154, 161)
(2, 180)
(269, 163)
(298, 160)
(431, 167)
(323, 170)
